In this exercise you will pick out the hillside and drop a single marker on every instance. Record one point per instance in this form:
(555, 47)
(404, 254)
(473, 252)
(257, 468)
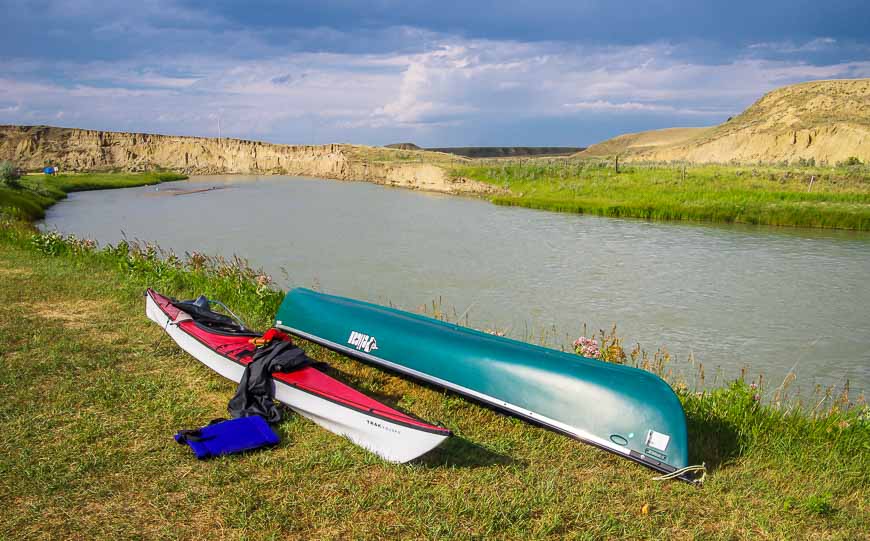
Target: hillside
(33, 147)
(825, 121)
(642, 141)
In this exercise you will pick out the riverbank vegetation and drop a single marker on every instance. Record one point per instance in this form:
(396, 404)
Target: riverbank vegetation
(30, 195)
(803, 195)
(94, 391)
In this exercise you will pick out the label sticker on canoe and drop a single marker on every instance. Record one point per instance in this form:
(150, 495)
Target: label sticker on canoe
(657, 440)
(362, 342)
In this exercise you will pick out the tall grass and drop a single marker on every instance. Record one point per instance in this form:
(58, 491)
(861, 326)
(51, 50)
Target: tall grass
(808, 196)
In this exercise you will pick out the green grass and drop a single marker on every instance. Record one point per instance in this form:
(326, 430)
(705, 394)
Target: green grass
(93, 392)
(38, 192)
(838, 197)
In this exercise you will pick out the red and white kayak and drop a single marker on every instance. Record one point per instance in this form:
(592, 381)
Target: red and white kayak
(389, 433)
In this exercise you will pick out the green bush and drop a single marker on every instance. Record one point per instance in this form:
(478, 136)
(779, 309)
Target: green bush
(851, 160)
(9, 175)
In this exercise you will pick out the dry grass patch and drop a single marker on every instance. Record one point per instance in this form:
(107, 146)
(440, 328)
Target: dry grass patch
(76, 314)
(98, 317)
(6, 273)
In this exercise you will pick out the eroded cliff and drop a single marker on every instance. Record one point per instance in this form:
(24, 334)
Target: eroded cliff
(34, 147)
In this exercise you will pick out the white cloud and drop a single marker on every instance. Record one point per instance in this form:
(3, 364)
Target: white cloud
(305, 97)
(790, 47)
(633, 106)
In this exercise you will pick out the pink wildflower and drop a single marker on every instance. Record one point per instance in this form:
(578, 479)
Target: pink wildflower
(587, 347)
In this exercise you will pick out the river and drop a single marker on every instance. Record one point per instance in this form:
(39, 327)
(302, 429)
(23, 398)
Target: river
(772, 299)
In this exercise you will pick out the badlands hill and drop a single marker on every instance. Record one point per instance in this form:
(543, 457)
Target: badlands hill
(828, 121)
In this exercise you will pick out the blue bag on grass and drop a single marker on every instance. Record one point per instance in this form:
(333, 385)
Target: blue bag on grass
(228, 437)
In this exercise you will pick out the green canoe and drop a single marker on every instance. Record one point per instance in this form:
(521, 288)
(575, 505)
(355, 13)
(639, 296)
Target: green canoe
(624, 410)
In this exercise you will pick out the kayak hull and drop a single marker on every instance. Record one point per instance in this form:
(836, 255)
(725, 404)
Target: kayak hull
(626, 411)
(390, 434)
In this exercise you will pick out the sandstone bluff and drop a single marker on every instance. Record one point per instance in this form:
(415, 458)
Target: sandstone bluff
(33, 147)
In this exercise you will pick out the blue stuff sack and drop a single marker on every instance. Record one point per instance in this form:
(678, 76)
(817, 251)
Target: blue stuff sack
(228, 437)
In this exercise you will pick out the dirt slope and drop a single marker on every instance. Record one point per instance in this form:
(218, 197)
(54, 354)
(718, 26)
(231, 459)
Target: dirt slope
(33, 147)
(828, 121)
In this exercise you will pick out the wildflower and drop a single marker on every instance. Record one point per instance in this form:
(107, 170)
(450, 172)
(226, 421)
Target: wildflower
(587, 347)
(757, 397)
(753, 386)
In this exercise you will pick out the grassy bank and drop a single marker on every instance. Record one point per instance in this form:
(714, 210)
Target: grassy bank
(38, 192)
(829, 197)
(93, 393)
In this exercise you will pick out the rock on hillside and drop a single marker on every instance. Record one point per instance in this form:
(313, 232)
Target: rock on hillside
(33, 147)
(828, 121)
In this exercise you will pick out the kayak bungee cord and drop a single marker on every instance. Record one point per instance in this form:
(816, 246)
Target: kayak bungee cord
(702, 467)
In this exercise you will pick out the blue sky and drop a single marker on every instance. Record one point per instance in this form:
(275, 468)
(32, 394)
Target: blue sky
(442, 73)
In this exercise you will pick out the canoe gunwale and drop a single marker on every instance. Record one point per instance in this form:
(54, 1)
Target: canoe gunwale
(489, 401)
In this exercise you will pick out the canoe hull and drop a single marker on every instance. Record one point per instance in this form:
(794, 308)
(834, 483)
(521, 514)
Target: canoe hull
(388, 438)
(621, 409)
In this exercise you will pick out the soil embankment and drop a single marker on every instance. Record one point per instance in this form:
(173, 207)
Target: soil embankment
(33, 147)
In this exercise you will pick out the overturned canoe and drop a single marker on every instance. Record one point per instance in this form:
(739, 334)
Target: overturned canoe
(621, 409)
(391, 434)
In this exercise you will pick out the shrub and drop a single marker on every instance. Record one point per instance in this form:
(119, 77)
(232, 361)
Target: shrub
(9, 175)
(851, 160)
